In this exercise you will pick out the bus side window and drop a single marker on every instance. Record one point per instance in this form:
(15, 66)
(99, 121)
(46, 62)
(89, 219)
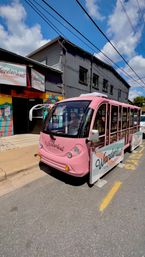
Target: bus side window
(100, 119)
(138, 117)
(135, 118)
(120, 119)
(124, 118)
(114, 124)
(131, 118)
(114, 118)
(86, 122)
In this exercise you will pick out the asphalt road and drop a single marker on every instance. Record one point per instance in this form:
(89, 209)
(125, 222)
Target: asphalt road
(55, 216)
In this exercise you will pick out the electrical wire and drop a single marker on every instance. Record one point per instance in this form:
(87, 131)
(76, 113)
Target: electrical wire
(129, 20)
(139, 8)
(126, 73)
(109, 41)
(99, 72)
(59, 33)
(63, 25)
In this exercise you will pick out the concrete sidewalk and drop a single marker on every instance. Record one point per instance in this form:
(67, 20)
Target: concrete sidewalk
(17, 153)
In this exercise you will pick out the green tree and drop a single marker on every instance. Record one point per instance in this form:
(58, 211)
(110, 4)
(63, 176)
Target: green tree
(139, 101)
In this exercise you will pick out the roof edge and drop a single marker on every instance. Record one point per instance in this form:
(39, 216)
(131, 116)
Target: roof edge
(53, 41)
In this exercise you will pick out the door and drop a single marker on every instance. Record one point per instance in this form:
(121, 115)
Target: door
(100, 124)
(20, 114)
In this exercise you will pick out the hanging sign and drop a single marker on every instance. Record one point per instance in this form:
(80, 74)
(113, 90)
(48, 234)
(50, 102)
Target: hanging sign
(12, 74)
(37, 80)
(136, 140)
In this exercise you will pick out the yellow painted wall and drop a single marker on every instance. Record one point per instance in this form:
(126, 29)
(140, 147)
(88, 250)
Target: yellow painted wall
(6, 116)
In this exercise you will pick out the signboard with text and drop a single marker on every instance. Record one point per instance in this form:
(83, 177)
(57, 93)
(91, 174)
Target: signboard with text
(136, 140)
(105, 158)
(37, 80)
(12, 74)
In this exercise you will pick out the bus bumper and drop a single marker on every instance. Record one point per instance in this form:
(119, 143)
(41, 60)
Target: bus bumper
(68, 166)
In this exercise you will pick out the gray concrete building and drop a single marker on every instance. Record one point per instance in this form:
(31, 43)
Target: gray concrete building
(81, 71)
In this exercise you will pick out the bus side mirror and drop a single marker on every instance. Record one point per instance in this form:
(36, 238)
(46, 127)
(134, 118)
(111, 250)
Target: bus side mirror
(94, 135)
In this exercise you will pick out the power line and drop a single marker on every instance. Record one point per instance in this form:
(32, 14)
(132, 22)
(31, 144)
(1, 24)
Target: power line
(59, 32)
(32, 5)
(142, 16)
(143, 78)
(44, 18)
(63, 25)
(90, 41)
(109, 41)
(129, 20)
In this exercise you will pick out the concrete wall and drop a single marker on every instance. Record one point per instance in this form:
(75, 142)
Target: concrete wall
(71, 78)
(112, 80)
(71, 75)
(51, 57)
(70, 64)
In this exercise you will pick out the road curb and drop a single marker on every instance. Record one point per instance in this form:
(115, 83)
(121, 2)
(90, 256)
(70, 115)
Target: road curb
(18, 160)
(4, 175)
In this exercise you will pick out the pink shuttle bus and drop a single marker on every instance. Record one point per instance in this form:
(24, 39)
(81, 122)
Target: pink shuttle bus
(88, 134)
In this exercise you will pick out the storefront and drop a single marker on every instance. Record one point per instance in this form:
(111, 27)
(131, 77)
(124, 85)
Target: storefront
(22, 85)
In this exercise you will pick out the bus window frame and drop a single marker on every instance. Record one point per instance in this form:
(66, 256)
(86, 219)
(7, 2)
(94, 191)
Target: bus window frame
(120, 131)
(106, 119)
(111, 133)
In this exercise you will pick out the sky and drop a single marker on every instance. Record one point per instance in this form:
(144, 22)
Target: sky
(23, 29)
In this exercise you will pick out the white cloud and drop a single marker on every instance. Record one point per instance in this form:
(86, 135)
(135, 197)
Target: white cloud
(137, 63)
(93, 9)
(109, 52)
(133, 93)
(15, 35)
(125, 33)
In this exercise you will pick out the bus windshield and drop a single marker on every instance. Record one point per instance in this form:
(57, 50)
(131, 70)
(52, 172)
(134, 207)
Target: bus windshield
(69, 119)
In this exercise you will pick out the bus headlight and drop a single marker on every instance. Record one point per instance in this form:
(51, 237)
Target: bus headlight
(69, 155)
(40, 145)
(76, 150)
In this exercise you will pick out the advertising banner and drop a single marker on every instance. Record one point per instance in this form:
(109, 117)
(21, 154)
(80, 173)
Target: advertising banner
(105, 158)
(12, 74)
(136, 140)
(37, 80)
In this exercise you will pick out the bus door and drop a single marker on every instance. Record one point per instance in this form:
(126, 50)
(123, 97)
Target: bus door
(100, 124)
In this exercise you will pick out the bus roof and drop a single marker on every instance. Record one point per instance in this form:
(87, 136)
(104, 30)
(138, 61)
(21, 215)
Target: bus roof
(96, 100)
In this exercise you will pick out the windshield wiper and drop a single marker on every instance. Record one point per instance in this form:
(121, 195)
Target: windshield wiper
(52, 137)
(48, 131)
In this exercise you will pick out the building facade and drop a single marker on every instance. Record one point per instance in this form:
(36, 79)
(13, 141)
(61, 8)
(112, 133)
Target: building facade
(81, 71)
(22, 85)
